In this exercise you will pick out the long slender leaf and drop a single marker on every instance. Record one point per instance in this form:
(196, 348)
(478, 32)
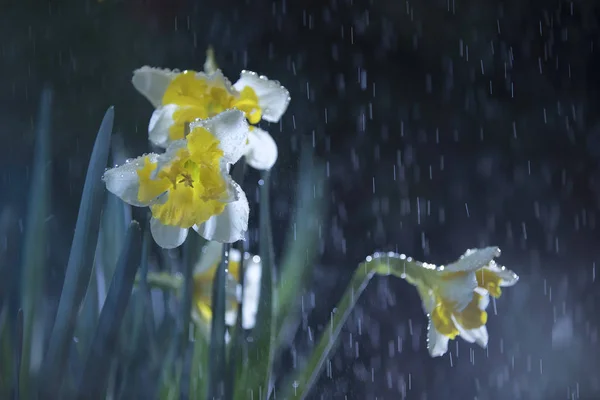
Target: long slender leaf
(98, 362)
(301, 246)
(217, 362)
(300, 384)
(7, 357)
(256, 381)
(199, 367)
(191, 252)
(238, 343)
(34, 249)
(79, 267)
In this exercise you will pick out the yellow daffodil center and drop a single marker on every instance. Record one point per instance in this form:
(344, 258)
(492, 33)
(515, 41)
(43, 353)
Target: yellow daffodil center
(198, 97)
(193, 182)
(471, 317)
(203, 288)
(490, 281)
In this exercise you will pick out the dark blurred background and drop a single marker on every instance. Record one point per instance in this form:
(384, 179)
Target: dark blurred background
(444, 125)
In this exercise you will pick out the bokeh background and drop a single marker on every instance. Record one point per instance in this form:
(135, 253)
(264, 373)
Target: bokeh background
(444, 125)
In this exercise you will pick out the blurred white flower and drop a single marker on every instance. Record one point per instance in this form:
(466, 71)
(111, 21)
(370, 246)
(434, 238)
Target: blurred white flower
(203, 278)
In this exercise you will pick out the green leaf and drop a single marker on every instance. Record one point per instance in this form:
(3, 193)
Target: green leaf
(98, 362)
(299, 385)
(217, 362)
(34, 250)
(301, 246)
(191, 253)
(256, 378)
(199, 365)
(79, 267)
(7, 357)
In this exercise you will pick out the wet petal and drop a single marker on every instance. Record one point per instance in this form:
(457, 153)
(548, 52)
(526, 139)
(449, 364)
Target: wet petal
(211, 255)
(123, 181)
(473, 260)
(252, 276)
(160, 123)
(507, 277)
(437, 344)
(231, 129)
(262, 149)
(167, 237)
(458, 290)
(152, 83)
(273, 98)
(229, 226)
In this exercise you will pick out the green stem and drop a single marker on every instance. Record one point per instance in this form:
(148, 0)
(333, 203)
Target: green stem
(379, 263)
(162, 280)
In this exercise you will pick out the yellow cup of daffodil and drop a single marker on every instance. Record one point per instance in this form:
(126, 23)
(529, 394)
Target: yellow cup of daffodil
(189, 185)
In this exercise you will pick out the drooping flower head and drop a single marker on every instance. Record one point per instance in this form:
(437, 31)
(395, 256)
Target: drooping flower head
(189, 185)
(204, 273)
(456, 296)
(182, 97)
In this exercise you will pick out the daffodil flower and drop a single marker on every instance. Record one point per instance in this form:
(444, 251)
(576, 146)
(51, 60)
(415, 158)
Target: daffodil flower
(182, 97)
(204, 273)
(189, 185)
(456, 296)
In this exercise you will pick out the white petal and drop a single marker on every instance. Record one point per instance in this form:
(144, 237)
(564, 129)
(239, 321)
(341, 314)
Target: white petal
(481, 336)
(231, 129)
(160, 123)
(211, 254)
(217, 79)
(507, 277)
(252, 276)
(229, 226)
(166, 236)
(261, 152)
(123, 181)
(231, 317)
(474, 259)
(484, 300)
(273, 98)
(168, 156)
(459, 290)
(465, 334)
(437, 344)
(153, 83)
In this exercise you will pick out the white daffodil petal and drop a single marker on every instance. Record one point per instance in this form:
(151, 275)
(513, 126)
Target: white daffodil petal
(123, 181)
(261, 152)
(273, 98)
(168, 156)
(160, 123)
(465, 334)
(167, 237)
(217, 79)
(437, 344)
(252, 276)
(507, 277)
(481, 336)
(211, 255)
(474, 259)
(229, 226)
(153, 83)
(484, 300)
(459, 290)
(231, 129)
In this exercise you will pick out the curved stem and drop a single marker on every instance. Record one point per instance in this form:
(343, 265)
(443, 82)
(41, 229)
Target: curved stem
(379, 263)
